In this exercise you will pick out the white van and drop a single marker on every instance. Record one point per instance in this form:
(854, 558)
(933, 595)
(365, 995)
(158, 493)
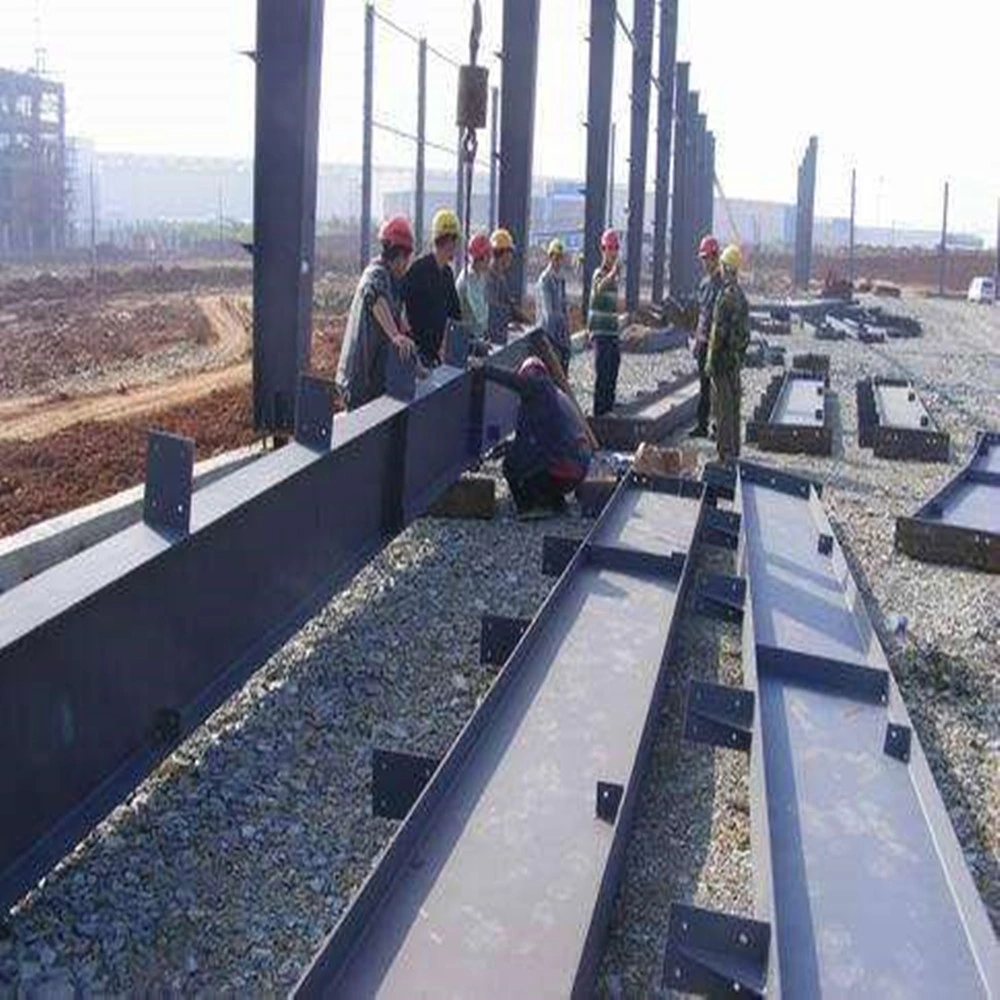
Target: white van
(982, 290)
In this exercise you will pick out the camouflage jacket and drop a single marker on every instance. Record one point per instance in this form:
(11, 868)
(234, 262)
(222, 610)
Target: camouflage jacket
(730, 335)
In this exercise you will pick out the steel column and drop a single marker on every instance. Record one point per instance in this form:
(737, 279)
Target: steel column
(677, 201)
(701, 159)
(610, 223)
(367, 112)
(805, 203)
(810, 207)
(494, 156)
(642, 67)
(419, 183)
(850, 245)
(517, 126)
(710, 186)
(690, 188)
(599, 134)
(288, 59)
(664, 126)
(943, 249)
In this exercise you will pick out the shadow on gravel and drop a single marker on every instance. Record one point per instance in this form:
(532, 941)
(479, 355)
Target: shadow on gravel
(672, 832)
(935, 685)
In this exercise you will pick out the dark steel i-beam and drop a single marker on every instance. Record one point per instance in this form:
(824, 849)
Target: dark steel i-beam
(701, 161)
(679, 188)
(710, 185)
(288, 60)
(494, 155)
(856, 864)
(367, 114)
(664, 127)
(642, 67)
(688, 242)
(600, 80)
(517, 126)
(419, 180)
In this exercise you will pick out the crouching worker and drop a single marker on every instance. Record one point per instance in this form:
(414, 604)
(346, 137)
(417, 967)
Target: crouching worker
(374, 321)
(552, 445)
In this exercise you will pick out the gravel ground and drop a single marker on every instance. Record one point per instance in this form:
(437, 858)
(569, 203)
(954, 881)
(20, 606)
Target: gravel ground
(226, 868)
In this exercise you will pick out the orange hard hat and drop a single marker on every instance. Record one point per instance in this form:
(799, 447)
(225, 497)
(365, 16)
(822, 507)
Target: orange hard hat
(397, 232)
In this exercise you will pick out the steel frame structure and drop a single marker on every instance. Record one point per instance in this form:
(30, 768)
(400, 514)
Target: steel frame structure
(651, 416)
(792, 415)
(804, 208)
(110, 658)
(894, 423)
(664, 136)
(856, 865)
(960, 524)
(501, 878)
(678, 205)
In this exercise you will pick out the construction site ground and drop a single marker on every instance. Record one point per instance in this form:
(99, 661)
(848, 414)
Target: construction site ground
(225, 869)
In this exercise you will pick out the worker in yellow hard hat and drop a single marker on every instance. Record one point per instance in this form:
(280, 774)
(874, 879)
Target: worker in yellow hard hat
(550, 303)
(504, 308)
(727, 346)
(429, 293)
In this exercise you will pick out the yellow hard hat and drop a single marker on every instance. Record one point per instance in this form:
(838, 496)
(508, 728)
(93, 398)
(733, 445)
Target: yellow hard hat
(731, 257)
(445, 223)
(556, 248)
(501, 240)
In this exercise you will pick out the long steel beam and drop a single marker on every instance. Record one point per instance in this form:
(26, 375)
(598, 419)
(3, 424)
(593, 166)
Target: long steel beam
(288, 59)
(792, 415)
(642, 67)
(960, 524)
(651, 416)
(599, 86)
(894, 423)
(856, 865)
(500, 881)
(109, 659)
(677, 203)
(664, 137)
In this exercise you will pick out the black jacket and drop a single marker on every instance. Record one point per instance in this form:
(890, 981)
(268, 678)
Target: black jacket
(431, 300)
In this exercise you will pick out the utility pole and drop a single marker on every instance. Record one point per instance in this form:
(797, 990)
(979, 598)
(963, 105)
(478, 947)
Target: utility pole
(943, 250)
(850, 244)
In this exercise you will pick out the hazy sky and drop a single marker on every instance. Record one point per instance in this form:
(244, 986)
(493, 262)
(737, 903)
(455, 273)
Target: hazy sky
(904, 91)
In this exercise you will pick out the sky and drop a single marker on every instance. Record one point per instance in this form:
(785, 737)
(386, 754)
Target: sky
(903, 92)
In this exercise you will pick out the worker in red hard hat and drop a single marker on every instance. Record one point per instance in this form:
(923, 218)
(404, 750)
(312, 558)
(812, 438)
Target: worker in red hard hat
(553, 444)
(374, 323)
(602, 322)
(472, 286)
(708, 294)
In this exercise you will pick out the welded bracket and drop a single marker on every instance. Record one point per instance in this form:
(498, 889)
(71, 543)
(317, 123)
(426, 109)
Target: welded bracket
(314, 412)
(557, 552)
(398, 778)
(897, 741)
(721, 528)
(715, 954)
(721, 596)
(718, 715)
(609, 799)
(824, 544)
(169, 467)
(498, 636)
(775, 479)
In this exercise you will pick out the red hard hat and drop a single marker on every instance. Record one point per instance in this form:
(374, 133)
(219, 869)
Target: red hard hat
(532, 366)
(709, 247)
(610, 241)
(397, 232)
(479, 246)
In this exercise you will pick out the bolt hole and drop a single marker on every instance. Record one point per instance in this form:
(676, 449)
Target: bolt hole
(743, 938)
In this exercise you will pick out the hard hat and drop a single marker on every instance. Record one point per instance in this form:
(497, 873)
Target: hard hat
(731, 257)
(479, 246)
(556, 248)
(610, 240)
(532, 366)
(445, 223)
(397, 232)
(501, 240)
(709, 247)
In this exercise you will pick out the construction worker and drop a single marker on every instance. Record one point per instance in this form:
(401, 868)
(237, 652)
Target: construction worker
(472, 286)
(504, 310)
(552, 445)
(429, 292)
(602, 321)
(727, 345)
(550, 302)
(374, 323)
(708, 293)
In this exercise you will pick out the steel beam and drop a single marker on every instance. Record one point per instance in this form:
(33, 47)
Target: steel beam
(710, 185)
(701, 167)
(651, 416)
(856, 865)
(664, 137)
(805, 203)
(850, 245)
(500, 881)
(642, 68)
(600, 80)
(367, 116)
(689, 215)
(421, 171)
(960, 524)
(793, 416)
(288, 59)
(517, 126)
(108, 659)
(894, 423)
(494, 155)
(680, 184)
